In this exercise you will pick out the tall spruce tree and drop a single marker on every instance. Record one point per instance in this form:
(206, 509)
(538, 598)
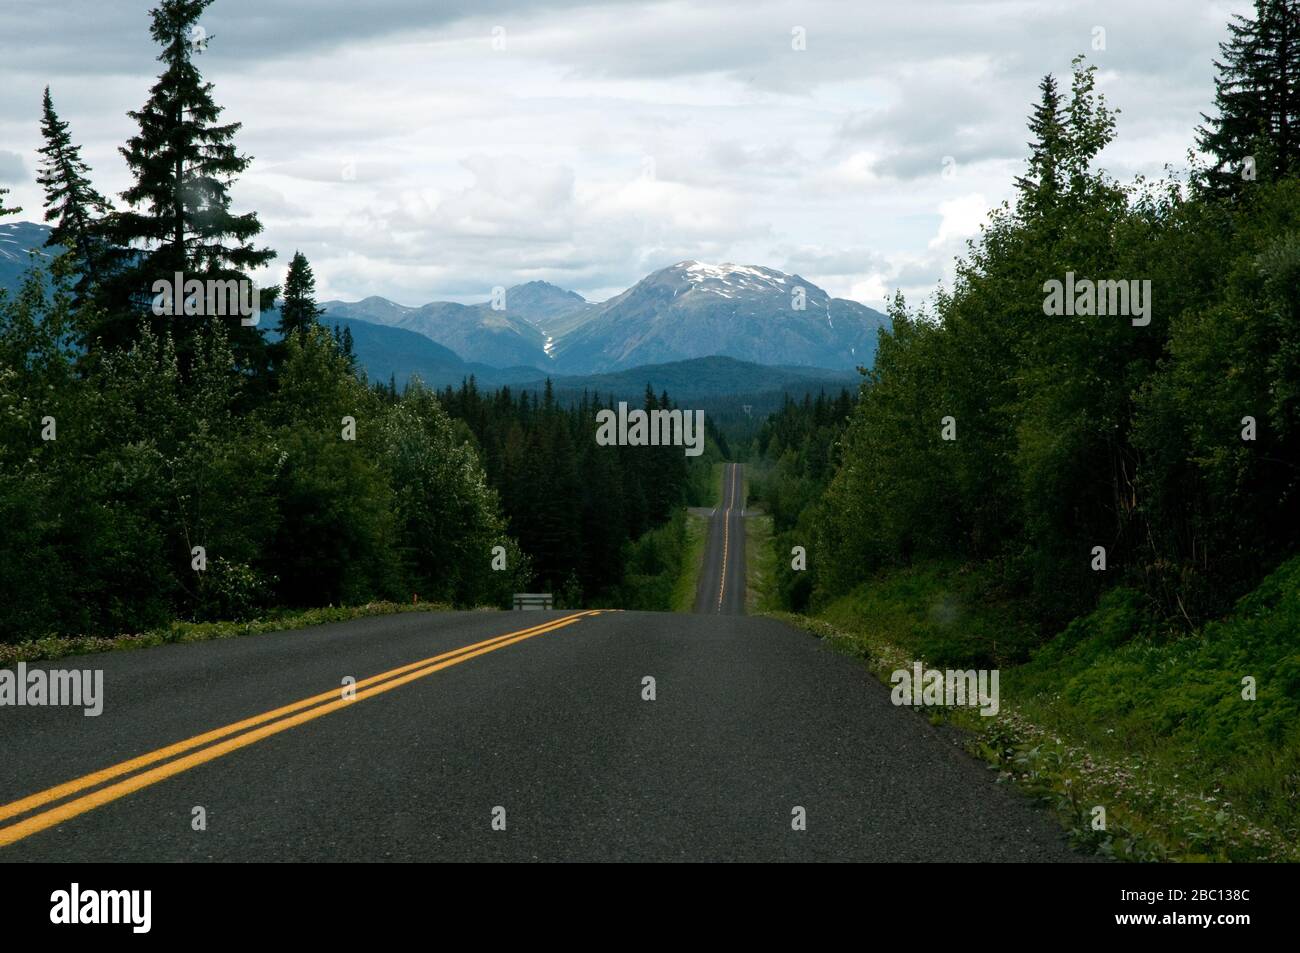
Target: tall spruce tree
(1042, 183)
(184, 162)
(347, 347)
(77, 210)
(7, 210)
(1257, 98)
(298, 309)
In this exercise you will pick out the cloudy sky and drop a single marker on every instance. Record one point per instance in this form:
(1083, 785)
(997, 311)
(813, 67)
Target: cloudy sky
(423, 149)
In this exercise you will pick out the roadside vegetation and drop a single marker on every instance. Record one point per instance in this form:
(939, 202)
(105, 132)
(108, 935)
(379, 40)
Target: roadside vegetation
(57, 647)
(1101, 507)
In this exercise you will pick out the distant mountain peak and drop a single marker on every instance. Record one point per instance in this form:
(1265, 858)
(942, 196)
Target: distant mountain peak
(543, 296)
(540, 286)
(378, 301)
(695, 309)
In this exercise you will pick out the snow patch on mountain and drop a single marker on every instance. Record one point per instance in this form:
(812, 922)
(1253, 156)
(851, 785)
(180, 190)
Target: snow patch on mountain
(727, 279)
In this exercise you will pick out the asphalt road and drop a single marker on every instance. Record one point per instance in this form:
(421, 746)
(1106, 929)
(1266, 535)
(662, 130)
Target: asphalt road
(751, 720)
(722, 575)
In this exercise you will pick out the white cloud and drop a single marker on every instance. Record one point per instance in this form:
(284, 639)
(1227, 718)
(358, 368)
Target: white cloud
(960, 218)
(406, 157)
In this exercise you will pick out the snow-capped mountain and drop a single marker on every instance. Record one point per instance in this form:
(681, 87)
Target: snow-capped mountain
(692, 309)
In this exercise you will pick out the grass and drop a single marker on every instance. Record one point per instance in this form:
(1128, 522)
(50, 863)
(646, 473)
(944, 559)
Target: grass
(1114, 711)
(760, 563)
(56, 647)
(688, 580)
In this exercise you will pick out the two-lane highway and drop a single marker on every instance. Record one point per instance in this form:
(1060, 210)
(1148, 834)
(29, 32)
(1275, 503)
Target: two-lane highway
(500, 736)
(721, 587)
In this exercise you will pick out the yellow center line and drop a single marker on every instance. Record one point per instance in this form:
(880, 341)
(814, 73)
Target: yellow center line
(390, 679)
(726, 534)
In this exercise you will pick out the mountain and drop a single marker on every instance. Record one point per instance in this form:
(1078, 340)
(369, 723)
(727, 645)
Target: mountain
(521, 333)
(374, 309)
(384, 351)
(551, 309)
(17, 239)
(693, 309)
(478, 333)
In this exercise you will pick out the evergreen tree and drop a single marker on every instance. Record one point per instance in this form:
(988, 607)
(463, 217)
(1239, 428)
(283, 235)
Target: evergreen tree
(71, 202)
(1257, 96)
(298, 309)
(11, 210)
(1040, 186)
(348, 348)
(184, 162)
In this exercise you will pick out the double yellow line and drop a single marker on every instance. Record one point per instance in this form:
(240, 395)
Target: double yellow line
(271, 723)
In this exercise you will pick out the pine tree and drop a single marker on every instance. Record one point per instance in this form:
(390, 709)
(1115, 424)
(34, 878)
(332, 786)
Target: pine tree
(348, 349)
(298, 309)
(184, 162)
(10, 210)
(74, 206)
(1039, 188)
(1257, 97)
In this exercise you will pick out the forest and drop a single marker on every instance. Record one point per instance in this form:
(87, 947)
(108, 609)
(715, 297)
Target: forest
(990, 430)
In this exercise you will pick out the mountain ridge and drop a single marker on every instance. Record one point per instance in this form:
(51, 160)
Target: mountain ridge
(685, 311)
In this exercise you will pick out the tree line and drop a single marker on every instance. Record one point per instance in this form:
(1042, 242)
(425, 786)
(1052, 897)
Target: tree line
(1071, 453)
(574, 506)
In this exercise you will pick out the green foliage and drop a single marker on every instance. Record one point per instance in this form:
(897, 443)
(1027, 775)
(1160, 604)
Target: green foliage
(77, 211)
(1257, 101)
(1124, 683)
(950, 616)
(448, 516)
(183, 162)
(1080, 431)
(799, 450)
(653, 567)
(50, 648)
(150, 462)
(574, 505)
(298, 309)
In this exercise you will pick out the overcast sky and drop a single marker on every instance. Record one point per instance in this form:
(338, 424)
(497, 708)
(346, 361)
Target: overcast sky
(425, 150)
